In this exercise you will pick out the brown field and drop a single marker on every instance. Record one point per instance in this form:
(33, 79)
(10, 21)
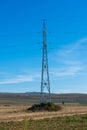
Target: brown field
(13, 106)
(19, 113)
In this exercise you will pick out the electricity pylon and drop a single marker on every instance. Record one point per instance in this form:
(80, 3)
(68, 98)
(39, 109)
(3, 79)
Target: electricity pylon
(45, 81)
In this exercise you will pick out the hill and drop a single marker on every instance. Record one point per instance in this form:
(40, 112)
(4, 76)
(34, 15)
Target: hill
(31, 98)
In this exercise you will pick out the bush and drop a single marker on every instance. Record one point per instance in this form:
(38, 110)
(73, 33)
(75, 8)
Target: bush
(45, 107)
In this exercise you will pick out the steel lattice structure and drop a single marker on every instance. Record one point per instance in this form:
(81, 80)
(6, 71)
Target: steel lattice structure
(45, 82)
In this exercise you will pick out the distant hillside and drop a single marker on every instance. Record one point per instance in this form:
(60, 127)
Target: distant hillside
(34, 93)
(34, 97)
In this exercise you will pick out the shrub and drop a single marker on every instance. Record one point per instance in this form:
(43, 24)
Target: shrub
(45, 107)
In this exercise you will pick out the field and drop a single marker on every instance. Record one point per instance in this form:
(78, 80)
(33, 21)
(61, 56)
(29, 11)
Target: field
(15, 119)
(18, 113)
(13, 114)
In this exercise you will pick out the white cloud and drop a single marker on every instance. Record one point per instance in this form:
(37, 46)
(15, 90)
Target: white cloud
(68, 71)
(71, 59)
(72, 49)
(61, 91)
(76, 45)
(20, 79)
(66, 59)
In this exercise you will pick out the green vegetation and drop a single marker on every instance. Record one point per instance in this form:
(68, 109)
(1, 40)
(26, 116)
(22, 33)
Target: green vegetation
(58, 123)
(45, 107)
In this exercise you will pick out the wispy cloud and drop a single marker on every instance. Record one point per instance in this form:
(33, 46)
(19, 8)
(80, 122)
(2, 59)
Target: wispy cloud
(67, 64)
(68, 71)
(61, 91)
(72, 48)
(76, 45)
(20, 79)
(70, 59)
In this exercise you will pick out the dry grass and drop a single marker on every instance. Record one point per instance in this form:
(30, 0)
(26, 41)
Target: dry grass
(78, 122)
(19, 113)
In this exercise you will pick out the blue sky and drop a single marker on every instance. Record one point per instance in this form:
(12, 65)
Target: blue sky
(20, 55)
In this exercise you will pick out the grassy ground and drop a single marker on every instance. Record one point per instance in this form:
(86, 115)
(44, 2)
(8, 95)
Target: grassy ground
(19, 112)
(58, 123)
(13, 110)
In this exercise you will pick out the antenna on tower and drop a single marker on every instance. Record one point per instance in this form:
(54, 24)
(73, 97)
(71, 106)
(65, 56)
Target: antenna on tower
(45, 81)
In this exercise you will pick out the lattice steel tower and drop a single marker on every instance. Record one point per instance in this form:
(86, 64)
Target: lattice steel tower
(45, 82)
